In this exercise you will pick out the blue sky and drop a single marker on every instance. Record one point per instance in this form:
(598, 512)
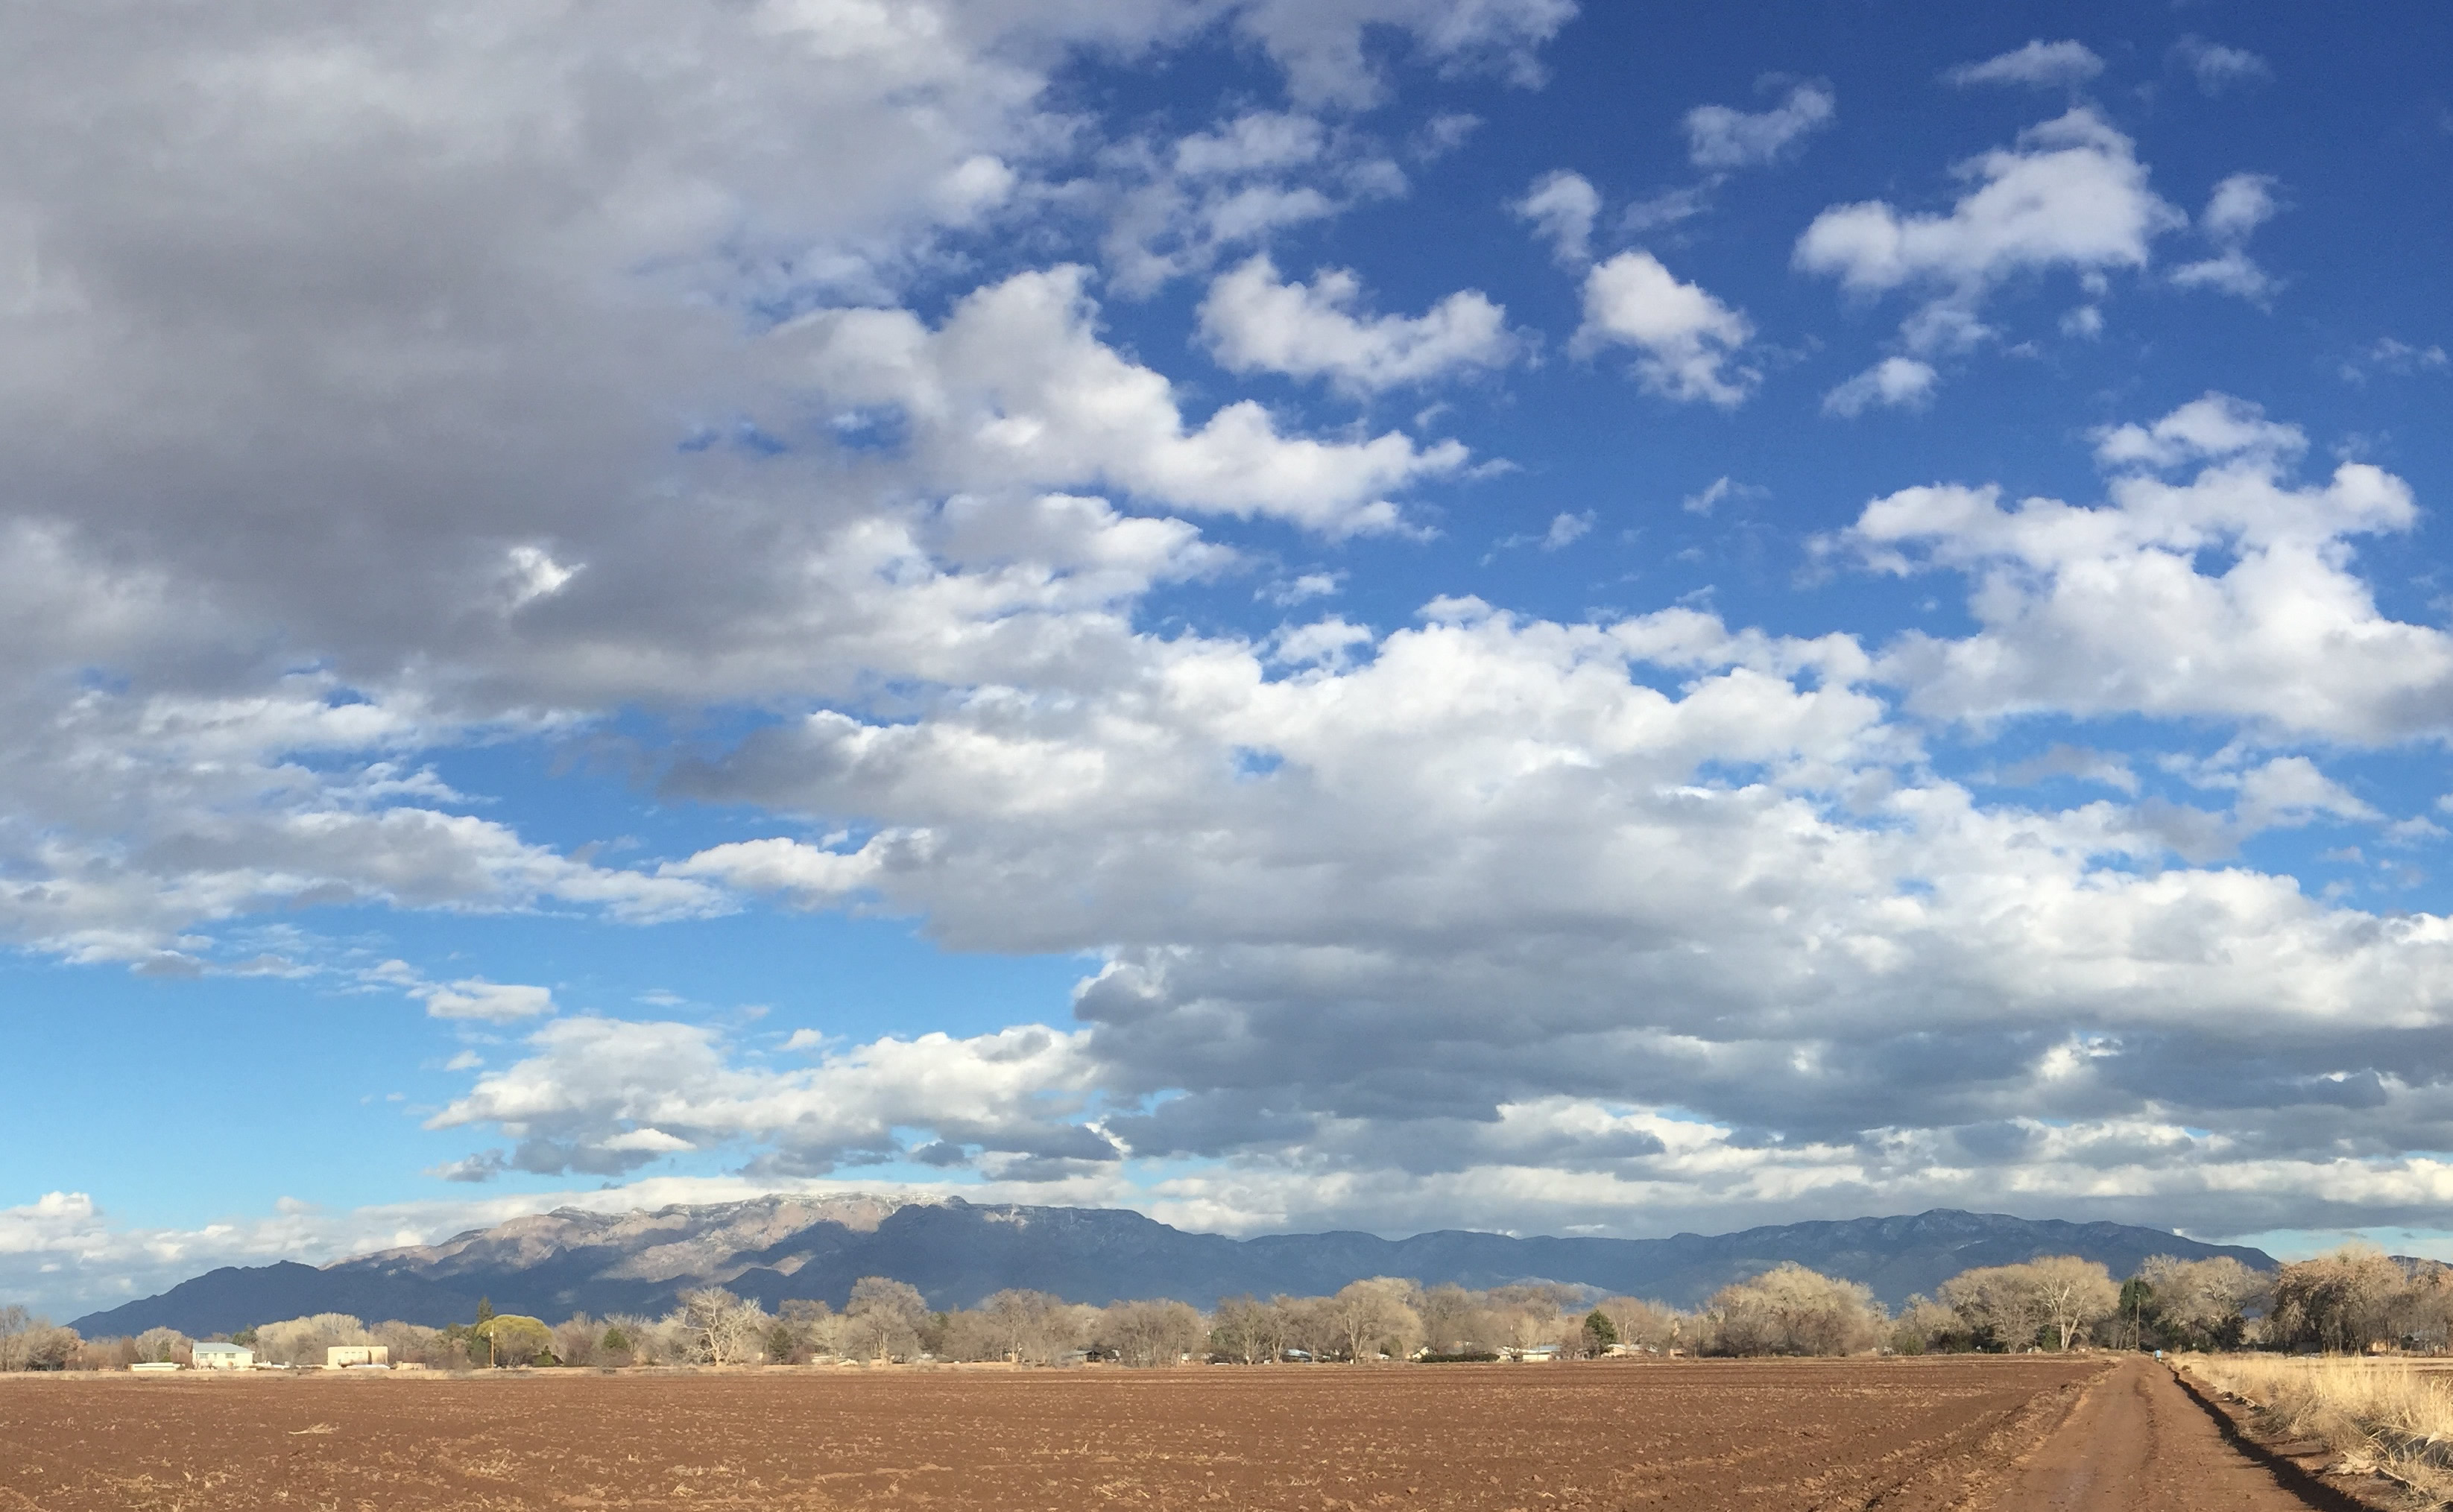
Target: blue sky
(1394, 614)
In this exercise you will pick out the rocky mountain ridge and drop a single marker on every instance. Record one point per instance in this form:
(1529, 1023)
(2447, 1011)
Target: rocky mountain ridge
(551, 1265)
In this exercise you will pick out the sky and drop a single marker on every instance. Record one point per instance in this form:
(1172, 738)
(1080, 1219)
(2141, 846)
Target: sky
(1377, 614)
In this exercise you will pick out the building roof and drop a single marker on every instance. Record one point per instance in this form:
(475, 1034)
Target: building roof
(217, 1349)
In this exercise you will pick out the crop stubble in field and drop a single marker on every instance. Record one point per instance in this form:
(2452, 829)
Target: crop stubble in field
(1690, 1435)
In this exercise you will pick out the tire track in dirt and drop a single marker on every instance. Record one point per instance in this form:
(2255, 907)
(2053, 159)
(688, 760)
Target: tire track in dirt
(2136, 1442)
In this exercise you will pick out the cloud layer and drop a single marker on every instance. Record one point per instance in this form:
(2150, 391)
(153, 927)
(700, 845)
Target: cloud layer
(503, 378)
(1591, 901)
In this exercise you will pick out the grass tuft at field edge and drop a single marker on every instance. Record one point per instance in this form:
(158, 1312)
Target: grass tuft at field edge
(2381, 1416)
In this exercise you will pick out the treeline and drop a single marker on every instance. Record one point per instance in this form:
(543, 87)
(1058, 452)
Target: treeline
(2355, 1299)
(28, 1343)
(2359, 1298)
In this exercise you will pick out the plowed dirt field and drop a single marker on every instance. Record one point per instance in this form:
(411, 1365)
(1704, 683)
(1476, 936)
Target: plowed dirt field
(1693, 1436)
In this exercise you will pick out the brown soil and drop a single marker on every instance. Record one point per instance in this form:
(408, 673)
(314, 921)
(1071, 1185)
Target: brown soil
(1923, 1434)
(2137, 1443)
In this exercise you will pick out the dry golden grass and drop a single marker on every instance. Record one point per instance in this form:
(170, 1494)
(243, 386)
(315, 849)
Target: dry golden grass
(2379, 1415)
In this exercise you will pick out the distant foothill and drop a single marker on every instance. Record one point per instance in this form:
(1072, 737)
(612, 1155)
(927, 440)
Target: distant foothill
(777, 1249)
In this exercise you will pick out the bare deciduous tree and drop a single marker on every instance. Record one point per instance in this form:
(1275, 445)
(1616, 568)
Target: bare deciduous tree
(815, 1326)
(1996, 1304)
(1792, 1310)
(577, 1340)
(884, 1316)
(1240, 1330)
(2345, 1301)
(163, 1346)
(1924, 1325)
(1529, 1325)
(2012, 1305)
(1310, 1326)
(112, 1353)
(302, 1341)
(1643, 1324)
(2072, 1293)
(1030, 1326)
(415, 1343)
(1280, 1328)
(2424, 1317)
(724, 1329)
(2202, 1302)
(1452, 1318)
(1369, 1314)
(1151, 1333)
(17, 1328)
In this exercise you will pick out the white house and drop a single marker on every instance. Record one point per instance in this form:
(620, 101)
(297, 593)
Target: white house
(222, 1357)
(339, 1355)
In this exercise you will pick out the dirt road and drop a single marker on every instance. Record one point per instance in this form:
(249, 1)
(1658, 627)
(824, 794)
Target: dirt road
(2137, 1443)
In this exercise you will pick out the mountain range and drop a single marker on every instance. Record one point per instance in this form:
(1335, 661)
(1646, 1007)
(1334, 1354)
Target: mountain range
(551, 1265)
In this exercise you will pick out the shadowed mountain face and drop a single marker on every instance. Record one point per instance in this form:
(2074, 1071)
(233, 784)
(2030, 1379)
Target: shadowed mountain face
(776, 1247)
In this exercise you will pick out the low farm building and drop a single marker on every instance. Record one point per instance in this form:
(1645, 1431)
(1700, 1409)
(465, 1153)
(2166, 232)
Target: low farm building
(340, 1355)
(222, 1357)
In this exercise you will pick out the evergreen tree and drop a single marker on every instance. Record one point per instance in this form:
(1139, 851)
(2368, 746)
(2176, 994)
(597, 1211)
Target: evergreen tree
(2137, 1310)
(1599, 1333)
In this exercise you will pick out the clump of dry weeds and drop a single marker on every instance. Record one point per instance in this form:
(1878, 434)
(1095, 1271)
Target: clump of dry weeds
(2380, 1416)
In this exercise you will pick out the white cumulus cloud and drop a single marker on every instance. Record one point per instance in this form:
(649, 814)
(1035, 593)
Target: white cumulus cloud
(1719, 136)
(603, 1096)
(2226, 594)
(1895, 383)
(1015, 386)
(2069, 194)
(2234, 211)
(2219, 69)
(2039, 64)
(1562, 207)
(1255, 322)
(476, 998)
(1686, 341)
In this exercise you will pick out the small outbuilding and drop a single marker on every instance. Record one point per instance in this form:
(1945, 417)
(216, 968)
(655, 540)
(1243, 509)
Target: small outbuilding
(222, 1357)
(341, 1355)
